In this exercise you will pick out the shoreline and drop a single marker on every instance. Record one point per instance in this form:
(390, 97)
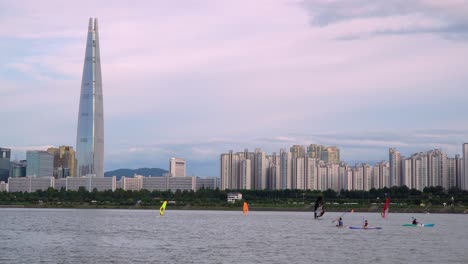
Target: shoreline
(457, 210)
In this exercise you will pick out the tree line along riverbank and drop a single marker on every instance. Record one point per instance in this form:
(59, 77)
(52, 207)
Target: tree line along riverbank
(432, 199)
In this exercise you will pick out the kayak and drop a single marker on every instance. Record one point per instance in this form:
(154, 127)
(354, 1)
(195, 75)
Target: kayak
(420, 225)
(360, 227)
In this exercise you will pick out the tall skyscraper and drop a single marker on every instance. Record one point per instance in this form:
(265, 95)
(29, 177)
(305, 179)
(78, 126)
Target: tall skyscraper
(90, 133)
(177, 167)
(4, 164)
(64, 161)
(464, 179)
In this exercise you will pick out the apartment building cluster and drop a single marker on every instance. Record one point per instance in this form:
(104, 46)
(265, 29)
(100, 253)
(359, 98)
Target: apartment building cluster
(320, 168)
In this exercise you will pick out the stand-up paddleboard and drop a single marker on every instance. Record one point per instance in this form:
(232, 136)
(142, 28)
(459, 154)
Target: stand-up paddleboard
(360, 227)
(420, 225)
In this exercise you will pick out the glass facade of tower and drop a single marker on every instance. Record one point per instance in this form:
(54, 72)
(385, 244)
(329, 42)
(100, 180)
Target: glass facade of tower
(90, 133)
(4, 164)
(39, 163)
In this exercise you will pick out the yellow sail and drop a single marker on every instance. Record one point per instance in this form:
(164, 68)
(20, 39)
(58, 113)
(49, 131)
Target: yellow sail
(245, 209)
(163, 208)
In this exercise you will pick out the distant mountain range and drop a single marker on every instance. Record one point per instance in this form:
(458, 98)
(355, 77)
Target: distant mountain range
(141, 171)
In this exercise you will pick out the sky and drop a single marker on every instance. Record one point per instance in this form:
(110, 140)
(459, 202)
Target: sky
(194, 79)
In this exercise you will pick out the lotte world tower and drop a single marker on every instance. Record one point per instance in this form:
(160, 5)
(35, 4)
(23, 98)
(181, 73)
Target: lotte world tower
(90, 133)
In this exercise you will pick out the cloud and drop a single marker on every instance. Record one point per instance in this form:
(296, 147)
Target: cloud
(367, 17)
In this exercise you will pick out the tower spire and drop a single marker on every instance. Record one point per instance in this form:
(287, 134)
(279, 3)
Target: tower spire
(90, 25)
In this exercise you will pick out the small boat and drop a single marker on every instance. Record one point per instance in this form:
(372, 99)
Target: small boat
(420, 225)
(245, 209)
(162, 210)
(360, 227)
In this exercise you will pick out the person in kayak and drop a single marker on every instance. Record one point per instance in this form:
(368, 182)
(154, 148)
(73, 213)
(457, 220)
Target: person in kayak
(415, 222)
(340, 222)
(365, 224)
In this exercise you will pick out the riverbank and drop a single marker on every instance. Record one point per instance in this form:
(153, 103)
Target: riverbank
(370, 209)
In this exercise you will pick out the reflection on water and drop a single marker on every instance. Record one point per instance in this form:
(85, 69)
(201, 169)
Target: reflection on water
(124, 236)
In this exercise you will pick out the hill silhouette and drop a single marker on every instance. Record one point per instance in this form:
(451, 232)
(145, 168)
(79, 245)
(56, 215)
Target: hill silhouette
(141, 171)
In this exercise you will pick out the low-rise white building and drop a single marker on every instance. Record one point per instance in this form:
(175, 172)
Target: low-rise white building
(133, 184)
(102, 183)
(3, 186)
(211, 183)
(169, 183)
(30, 184)
(155, 183)
(233, 197)
(181, 183)
(89, 183)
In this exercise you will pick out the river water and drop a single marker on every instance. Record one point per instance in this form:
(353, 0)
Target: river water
(141, 236)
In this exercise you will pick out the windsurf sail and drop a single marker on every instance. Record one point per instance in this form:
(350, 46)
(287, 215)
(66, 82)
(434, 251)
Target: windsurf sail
(318, 208)
(245, 208)
(163, 208)
(384, 212)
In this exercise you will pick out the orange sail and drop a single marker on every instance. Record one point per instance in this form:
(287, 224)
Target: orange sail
(245, 209)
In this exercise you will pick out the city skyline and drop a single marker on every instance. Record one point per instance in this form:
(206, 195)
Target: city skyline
(303, 71)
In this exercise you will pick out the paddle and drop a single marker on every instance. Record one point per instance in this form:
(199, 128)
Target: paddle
(339, 217)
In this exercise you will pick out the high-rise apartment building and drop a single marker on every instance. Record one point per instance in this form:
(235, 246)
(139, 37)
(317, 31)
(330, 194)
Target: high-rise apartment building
(407, 172)
(39, 163)
(437, 167)
(274, 172)
(298, 166)
(315, 151)
(90, 132)
(311, 173)
(226, 170)
(64, 161)
(260, 170)
(327, 154)
(366, 177)
(464, 179)
(286, 161)
(177, 167)
(459, 170)
(331, 154)
(395, 167)
(245, 176)
(452, 173)
(5, 155)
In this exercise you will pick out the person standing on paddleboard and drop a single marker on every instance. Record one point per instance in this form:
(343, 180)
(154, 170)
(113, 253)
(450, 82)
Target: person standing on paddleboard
(365, 224)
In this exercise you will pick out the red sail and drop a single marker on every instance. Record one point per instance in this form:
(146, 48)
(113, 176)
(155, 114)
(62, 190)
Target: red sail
(385, 208)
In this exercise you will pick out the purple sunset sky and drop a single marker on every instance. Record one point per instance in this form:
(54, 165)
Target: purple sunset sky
(197, 78)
